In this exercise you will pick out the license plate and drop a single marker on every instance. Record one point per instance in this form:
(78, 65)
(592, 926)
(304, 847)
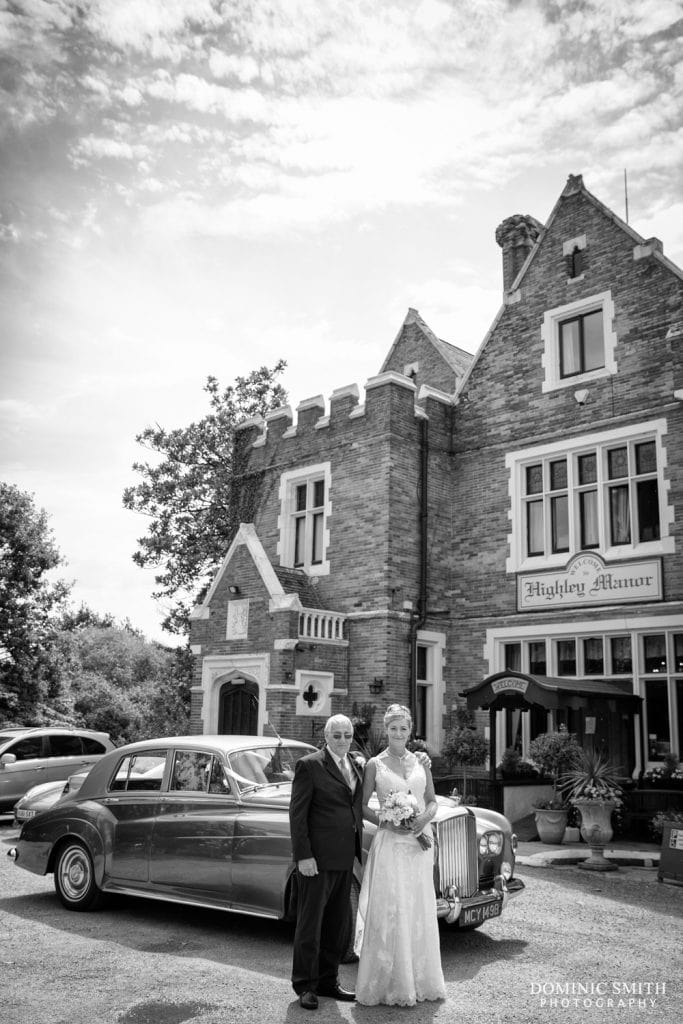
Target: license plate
(25, 815)
(482, 912)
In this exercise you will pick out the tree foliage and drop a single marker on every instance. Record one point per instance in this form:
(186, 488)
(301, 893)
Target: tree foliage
(116, 681)
(29, 600)
(189, 494)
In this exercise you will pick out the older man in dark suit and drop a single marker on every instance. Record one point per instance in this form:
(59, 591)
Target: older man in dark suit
(326, 820)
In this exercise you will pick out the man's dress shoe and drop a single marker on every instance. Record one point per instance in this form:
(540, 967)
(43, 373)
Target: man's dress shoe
(336, 992)
(308, 1000)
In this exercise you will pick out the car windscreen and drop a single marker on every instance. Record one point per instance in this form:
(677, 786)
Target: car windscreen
(5, 737)
(265, 766)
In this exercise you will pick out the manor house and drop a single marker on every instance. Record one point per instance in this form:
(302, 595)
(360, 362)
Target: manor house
(502, 530)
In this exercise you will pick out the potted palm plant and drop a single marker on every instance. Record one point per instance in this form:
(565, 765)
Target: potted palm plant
(552, 752)
(592, 784)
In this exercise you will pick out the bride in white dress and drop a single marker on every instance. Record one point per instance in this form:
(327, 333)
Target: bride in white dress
(397, 937)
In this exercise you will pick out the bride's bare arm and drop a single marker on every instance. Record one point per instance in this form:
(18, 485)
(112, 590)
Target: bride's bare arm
(431, 806)
(369, 813)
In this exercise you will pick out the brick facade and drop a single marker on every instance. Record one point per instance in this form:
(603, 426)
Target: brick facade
(450, 431)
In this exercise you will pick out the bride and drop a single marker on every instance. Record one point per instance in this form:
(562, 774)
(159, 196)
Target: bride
(397, 936)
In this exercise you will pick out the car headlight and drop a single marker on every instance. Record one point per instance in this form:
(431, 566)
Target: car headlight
(495, 843)
(506, 870)
(491, 844)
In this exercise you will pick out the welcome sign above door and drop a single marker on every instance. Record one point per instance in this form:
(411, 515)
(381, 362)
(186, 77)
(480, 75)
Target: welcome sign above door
(588, 580)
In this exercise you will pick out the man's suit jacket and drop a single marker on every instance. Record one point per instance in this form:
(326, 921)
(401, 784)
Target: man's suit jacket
(326, 818)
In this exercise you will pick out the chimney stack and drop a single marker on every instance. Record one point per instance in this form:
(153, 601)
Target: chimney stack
(516, 236)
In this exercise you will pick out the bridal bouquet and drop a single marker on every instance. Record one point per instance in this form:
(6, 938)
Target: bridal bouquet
(399, 809)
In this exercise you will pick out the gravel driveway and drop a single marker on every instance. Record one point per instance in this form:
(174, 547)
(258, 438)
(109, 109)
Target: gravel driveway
(575, 947)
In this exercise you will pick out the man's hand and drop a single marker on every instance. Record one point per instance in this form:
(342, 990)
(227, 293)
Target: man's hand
(308, 867)
(424, 759)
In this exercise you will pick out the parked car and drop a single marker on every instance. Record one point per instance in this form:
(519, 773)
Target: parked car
(29, 757)
(45, 795)
(204, 820)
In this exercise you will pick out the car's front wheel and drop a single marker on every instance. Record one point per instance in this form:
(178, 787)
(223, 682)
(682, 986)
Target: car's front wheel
(75, 878)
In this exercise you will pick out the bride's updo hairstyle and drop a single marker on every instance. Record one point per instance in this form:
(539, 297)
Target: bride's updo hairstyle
(395, 711)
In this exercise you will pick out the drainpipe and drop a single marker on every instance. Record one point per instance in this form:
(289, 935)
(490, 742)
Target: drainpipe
(419, 618)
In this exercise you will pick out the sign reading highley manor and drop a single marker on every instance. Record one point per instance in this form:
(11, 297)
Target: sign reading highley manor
(587, 580)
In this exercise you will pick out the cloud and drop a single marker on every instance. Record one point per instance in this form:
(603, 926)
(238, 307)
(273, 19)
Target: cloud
(101, 148)
(156, 27)
(197, 93)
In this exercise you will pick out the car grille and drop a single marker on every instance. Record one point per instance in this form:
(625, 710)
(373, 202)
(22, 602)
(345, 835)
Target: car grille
(458, 861)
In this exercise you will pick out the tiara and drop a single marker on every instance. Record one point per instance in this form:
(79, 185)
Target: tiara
(397, 711)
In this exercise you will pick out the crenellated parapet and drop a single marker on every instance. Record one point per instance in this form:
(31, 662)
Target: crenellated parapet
(389, 398)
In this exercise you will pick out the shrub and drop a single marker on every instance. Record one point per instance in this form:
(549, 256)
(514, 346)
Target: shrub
(657, 823)
(552, 753)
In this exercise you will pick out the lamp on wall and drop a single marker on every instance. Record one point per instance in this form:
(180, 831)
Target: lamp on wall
(377, 685)
(234, 589)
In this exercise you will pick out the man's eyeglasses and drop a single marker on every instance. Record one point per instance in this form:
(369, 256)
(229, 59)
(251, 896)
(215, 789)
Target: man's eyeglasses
(342, 735)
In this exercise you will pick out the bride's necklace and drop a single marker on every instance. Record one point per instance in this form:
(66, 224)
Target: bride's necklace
(398, 757)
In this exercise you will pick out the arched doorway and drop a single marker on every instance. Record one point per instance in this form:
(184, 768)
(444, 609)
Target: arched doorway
(238, 707)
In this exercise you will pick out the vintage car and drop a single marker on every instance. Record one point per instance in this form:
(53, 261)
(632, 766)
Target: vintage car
(203, 820)
(45, 795)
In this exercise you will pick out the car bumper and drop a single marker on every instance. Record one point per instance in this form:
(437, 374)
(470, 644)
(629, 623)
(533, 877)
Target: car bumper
(31, 856)
(472, 911)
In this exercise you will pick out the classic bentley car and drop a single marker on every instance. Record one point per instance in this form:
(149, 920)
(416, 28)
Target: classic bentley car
(203, 820)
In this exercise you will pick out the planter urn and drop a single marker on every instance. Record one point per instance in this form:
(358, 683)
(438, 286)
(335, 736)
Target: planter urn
(550, 823)
(596, 830)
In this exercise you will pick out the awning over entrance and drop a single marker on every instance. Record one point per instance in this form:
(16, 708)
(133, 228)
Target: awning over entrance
(517, 690)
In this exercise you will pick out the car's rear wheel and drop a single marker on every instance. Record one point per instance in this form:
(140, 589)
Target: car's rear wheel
(75, 878)
(349, 957)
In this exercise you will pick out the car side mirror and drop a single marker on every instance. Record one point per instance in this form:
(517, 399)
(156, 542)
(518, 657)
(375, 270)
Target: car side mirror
(8, 759)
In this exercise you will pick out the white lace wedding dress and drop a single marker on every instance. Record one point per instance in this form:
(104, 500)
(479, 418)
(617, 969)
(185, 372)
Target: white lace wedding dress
(397, 937)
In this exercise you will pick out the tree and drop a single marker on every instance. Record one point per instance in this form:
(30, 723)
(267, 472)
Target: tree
(190, 494)
(29, 602)
(553, 752)
(118, 682)
(464, 747)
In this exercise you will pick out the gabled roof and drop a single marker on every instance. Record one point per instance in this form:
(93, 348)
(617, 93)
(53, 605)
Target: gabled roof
(573, 186)
(247, 537)
(456, 358)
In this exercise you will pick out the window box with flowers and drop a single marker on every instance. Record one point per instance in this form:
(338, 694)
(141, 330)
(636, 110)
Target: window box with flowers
(668, 775)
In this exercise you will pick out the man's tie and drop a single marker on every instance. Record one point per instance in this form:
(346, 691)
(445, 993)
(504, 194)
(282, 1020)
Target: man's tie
(346, 772)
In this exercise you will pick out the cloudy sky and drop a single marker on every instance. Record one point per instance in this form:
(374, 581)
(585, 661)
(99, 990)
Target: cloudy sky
(195, 187)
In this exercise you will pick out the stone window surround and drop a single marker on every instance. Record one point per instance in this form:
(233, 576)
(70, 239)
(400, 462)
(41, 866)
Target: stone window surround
(288, 484)
(435, 643)
(550, 333)
(516, 461)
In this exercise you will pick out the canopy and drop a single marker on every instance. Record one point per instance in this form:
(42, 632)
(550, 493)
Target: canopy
(518, 690)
